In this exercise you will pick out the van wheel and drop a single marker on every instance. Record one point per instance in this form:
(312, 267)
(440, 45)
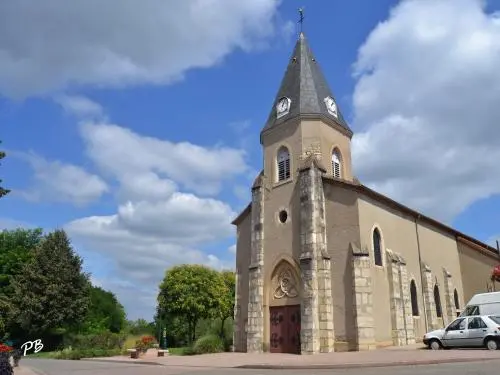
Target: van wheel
(491, 344)
(435, 345)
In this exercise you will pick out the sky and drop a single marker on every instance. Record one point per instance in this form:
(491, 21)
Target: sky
(135, 126)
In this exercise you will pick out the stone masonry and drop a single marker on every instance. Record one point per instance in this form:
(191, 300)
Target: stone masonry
(401, 313)
(363, 301)
(317, 305)
(255, 333)
(408, 313)
(237, 332)
(396, 299)
(429, 304)
(449, 297)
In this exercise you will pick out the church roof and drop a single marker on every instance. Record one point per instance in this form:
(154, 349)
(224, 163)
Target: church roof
(306, 89)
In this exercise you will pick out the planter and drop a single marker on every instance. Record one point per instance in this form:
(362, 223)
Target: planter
(5, 366)
(496, 273)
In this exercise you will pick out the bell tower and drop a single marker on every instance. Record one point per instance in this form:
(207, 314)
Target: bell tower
(305, 119)
(305, 137)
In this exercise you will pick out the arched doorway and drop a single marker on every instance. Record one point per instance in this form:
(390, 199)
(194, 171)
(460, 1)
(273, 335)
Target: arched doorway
(284, 310)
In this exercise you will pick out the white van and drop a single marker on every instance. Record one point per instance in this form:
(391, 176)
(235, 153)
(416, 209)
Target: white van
(483, 304)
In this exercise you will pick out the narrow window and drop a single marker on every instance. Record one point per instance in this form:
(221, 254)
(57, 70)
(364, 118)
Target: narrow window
(414, 301)
(377, 247)
(336, 164)
(457, 302)
(437, 301)
(283, 164)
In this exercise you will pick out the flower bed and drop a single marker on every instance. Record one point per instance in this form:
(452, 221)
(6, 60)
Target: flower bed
(5, 352)
(145, 343)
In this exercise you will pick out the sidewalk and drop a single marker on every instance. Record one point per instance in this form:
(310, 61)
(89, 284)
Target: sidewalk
(22, 370)
(400, 356)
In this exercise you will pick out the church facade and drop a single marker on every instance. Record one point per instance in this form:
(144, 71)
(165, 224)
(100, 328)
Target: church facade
(324, 263)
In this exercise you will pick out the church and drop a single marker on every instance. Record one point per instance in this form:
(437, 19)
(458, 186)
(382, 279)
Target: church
(324, 263)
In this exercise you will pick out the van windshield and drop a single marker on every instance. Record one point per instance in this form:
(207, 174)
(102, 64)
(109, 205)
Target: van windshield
(496, 319)
(471, 310)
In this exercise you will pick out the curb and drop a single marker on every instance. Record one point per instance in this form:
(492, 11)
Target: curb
(363, 365)
(122, 361)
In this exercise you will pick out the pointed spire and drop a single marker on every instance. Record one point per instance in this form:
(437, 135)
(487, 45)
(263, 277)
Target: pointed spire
(304, 91)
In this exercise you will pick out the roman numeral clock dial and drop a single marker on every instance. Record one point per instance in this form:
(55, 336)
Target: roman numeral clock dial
(282, 107)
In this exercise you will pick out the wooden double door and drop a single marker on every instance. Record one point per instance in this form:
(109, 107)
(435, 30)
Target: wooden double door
(285, 329)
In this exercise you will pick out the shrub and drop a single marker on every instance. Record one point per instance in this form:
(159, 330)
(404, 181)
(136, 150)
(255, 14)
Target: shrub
(77, 354)
(103, 340)
(209, 344)
(130, 342)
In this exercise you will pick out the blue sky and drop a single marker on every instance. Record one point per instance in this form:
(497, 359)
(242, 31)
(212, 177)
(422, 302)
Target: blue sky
(142, 141)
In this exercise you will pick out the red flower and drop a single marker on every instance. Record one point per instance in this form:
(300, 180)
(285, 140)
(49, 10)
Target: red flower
(5, 348)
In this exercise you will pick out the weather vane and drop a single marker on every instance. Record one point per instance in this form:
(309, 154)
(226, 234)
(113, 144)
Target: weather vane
(301, 18)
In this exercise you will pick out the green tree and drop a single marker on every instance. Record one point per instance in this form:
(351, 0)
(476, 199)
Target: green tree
(52, 293)
(105, 313)
(226, 303)
(141, 327)
(192, 292)
(16, 249)
(2, 190)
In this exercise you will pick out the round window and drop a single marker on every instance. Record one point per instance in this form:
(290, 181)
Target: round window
(283, 216)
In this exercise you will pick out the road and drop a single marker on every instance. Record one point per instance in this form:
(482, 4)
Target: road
(59, 367)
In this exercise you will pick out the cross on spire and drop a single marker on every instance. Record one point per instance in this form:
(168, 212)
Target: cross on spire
(301, 18)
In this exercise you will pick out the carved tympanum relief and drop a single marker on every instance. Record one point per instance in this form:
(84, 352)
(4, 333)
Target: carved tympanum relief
(285, 284)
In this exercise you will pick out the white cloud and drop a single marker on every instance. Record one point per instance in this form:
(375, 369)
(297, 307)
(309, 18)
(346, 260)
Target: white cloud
(426, 100)
(142, 240)
(61, 182)
(49, 45)
(157, 223)
(127, 156)
(232, 249)
(80, 106)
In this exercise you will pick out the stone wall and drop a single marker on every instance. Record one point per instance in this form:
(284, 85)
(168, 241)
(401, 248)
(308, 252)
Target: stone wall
(429, 304)
(449, 298)
(255, 331)
(237, 329)
(363, 301)
(400, 299)
(317, 333)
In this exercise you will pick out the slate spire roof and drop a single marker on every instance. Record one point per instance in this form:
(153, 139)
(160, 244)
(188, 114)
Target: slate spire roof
(306, 89)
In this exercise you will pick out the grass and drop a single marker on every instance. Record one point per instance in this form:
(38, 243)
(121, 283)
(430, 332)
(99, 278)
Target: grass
(76, 353)
(186, 350)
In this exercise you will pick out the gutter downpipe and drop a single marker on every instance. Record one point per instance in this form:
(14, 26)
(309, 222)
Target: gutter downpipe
(421, 276)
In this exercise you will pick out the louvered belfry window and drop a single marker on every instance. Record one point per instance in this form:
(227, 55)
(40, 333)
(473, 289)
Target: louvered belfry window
(336, 164)
(283, 164)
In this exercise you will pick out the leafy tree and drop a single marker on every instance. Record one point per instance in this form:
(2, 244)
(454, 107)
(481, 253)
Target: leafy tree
(16, 249)
(192, 292)
(2, 190)
(105, 313)
(52, 293)
(141, 327)
(226, 303)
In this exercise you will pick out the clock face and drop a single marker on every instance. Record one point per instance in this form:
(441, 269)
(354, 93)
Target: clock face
(283, 106)
(331, 106)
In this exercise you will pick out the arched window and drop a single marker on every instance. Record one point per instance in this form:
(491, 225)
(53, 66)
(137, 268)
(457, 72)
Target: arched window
(437, 301)
(377, 247)
(414, 301)
(336, 164)
(457, 302)
(283, 164)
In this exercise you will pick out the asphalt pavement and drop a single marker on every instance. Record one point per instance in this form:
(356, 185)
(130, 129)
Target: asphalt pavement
(59, 367)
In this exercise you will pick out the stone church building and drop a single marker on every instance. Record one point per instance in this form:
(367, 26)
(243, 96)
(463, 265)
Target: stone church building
(325, 263)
